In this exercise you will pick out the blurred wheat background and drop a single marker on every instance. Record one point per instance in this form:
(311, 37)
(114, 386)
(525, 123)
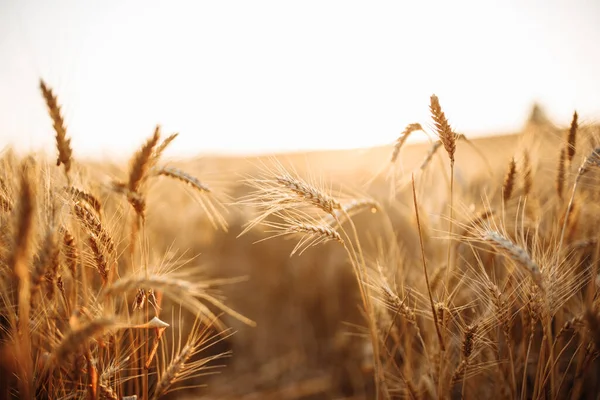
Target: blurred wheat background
(316, 200)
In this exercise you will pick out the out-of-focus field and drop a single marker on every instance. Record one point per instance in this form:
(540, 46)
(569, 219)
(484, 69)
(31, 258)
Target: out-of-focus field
(309, 338)
(309, 334)
(504, 305)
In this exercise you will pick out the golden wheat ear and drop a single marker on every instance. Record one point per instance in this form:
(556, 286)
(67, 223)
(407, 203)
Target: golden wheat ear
(160, 149)
(572, 137)
(206, 198)
(182, 363)
(561, 174)
(509, 180)
(63, 144)
(517, 254)
(402, 139)
(445, 133)
(141, 162)
(139, 165)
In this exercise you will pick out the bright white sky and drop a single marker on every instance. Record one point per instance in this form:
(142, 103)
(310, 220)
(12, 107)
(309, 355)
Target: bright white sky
(254, 76)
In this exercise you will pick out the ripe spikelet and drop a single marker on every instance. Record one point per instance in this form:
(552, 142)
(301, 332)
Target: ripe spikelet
(459, 372)
(183, 177)
(141, 162)
(140, 300)
(509, 180)
(309, 193)
(49, 262)
(499, 303)
(572, 138)
(70, 253)
(397, 304)
(94, 226)
(81, 195)
(527, 174)
(468, 340)
(572, 324)
(445, 133)
(516, 253)
(318, 229)
(183, 364)
(560, 174)
(161, 148)
(357, 205)
(173, 370)
(63, 144)
(100, 260)
(402, 139)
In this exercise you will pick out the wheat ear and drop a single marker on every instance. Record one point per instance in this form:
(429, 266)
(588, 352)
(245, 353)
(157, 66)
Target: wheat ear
(87, 197)
(516, 253)
(141, 161)
(63, 144)
(572, 138)
(402, 139)
(445, 133)
(509, 180)
(183, 177)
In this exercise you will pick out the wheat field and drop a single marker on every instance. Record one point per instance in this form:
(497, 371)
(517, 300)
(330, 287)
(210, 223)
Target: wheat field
(453, 269)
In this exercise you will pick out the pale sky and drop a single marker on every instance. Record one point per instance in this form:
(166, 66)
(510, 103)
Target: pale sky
(257, 76)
